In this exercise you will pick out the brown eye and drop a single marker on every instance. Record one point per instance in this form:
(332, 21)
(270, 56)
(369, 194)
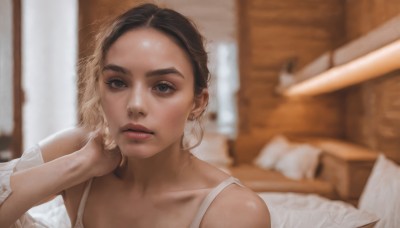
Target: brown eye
(116, 83)
(164, 88)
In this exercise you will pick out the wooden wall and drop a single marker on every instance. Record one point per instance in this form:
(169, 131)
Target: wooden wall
(373, 107)
(93, 14)
(269, 33)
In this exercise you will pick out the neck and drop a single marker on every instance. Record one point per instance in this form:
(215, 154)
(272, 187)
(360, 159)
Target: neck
(159, 172)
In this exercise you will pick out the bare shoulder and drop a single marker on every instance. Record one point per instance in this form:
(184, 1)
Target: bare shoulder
(237, 207)
(63, 143)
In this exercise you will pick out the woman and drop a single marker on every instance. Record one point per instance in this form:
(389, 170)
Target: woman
(128, 165)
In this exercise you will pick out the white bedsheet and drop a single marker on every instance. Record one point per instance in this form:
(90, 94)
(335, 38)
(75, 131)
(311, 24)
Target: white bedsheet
(51, 214)
(305, 211)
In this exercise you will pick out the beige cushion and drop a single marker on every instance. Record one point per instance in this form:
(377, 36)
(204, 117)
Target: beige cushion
(272, 152)
(300, 162)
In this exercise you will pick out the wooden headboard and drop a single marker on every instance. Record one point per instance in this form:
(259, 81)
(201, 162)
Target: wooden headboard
(344, 164)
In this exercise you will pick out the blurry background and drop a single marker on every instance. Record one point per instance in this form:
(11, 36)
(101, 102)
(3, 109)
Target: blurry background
(250, 42)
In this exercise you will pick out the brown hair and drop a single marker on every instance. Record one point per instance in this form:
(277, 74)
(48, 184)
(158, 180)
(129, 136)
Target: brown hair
(168, 21)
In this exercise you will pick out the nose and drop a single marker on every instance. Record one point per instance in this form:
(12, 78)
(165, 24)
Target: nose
(136, 106)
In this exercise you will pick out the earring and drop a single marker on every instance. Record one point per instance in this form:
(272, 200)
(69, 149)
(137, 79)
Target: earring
(191, 116)
(193, 134)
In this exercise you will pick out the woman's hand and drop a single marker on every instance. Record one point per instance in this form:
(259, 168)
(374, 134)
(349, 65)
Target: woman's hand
(100, 160)
(66, 165)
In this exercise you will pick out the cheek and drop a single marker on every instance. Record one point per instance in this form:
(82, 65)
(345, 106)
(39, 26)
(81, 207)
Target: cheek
(111, 109)
(176, 114)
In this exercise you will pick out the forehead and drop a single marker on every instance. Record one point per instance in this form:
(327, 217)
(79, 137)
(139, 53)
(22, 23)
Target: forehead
(147, 47)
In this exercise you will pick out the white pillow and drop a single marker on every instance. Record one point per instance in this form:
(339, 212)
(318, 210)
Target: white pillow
(381, 194)
(304, 211)
(300, 162)
(272, 152)
(213, 149)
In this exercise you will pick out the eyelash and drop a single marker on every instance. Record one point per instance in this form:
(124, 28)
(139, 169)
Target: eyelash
(169, 86)
(112, 83)
(119, 84)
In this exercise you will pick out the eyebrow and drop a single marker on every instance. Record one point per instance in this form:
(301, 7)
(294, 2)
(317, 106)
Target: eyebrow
(115, 68)
(158, 72)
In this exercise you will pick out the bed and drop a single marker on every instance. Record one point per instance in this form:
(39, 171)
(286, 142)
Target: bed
(350, 186)
(379, 205)
(332, 168)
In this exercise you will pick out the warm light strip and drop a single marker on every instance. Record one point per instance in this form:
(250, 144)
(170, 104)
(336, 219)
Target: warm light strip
(371, 65)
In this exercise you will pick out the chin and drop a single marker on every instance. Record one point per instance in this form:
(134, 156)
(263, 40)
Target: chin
(139, 151)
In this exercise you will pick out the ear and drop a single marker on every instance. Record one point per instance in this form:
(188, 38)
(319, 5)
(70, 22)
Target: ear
(200, 104)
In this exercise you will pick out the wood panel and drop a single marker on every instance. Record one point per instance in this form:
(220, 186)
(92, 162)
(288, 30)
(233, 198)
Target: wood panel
(93, 14)
(270, 33)
(365, 15)
(244, 50)
(373, 107)
(373, 114)
(17, 147)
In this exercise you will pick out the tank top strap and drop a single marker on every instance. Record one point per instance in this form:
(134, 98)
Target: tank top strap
(82, 204)
(210, 198)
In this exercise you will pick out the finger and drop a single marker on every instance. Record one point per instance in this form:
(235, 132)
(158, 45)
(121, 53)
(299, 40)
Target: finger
(97, 137)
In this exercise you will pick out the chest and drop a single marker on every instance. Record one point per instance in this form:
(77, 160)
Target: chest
(176, 209)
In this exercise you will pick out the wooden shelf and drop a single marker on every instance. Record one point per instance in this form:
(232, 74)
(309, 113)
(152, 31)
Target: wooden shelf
(370, 56)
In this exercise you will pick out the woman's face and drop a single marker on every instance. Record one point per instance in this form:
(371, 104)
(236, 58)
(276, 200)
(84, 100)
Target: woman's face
(147, 92)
